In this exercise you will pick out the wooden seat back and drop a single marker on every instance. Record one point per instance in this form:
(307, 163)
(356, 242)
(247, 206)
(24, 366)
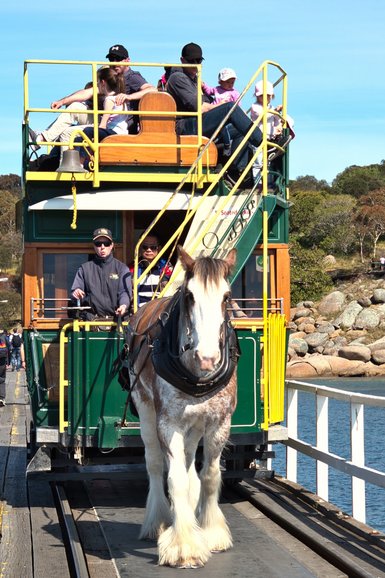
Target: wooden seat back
(143, 148)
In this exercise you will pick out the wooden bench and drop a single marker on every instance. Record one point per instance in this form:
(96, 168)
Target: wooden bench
(155, 130)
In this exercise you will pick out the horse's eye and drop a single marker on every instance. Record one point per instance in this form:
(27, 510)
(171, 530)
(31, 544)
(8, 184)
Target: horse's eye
(189, 297)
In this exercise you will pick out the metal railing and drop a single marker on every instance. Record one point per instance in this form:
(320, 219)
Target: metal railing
(353, 467)
(40, 306)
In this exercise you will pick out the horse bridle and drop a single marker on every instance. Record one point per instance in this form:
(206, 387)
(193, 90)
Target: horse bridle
(166, 353)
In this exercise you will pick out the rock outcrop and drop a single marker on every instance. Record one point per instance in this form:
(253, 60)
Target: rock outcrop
(344, 335)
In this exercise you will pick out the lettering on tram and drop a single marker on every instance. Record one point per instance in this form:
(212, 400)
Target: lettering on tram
(182, 224)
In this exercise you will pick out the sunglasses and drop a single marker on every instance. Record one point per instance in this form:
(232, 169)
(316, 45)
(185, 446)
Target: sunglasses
(151, 247)
(100, 243)
(115, 59)
(195, 61)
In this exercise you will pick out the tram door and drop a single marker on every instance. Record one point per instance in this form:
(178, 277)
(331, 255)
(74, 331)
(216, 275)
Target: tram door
(248, 286)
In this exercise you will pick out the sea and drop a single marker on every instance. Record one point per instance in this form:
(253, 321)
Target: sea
(339, 444)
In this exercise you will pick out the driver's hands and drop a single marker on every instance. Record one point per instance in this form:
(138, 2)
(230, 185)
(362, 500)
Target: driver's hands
(78, 294)
(121, 310)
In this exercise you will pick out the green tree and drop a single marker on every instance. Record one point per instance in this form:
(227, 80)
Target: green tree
(308, 183)
(370, 213)
(302, 214)
(358, 181)
(332, 228)
(10, 306)
(308, 280)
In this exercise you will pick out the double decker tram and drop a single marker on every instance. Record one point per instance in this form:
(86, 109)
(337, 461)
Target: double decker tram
(138, 183)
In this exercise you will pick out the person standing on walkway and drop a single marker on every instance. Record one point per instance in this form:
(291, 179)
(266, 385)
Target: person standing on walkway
(16, 341)
(3, 366)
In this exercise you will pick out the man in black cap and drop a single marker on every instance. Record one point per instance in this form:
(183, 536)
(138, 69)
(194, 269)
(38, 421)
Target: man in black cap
(105, 282)
(136, 86)
(182, 85)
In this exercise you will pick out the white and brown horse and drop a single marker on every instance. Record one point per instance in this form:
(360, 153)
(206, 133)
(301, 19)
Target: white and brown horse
(183, 361)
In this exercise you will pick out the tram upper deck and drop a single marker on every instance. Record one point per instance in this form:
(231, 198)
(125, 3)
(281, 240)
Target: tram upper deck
(133, 158)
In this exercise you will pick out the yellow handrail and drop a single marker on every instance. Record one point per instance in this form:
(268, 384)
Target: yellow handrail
(76, 325)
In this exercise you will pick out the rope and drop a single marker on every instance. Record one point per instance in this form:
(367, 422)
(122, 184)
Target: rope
(75, 211)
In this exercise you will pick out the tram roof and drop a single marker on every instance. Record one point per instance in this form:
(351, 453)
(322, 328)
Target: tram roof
(121, 200)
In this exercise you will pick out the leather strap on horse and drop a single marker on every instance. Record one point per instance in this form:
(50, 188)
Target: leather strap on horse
(167, 360)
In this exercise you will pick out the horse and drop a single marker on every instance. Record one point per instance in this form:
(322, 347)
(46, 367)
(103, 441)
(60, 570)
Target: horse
(182, 361)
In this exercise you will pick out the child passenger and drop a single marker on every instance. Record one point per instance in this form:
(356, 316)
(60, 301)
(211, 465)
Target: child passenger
(225, 91)
(273, 125)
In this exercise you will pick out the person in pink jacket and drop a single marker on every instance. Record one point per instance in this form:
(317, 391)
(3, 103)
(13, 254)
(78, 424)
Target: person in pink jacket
(225, 91)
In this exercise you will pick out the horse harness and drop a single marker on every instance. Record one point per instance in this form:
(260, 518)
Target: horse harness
(162, 340)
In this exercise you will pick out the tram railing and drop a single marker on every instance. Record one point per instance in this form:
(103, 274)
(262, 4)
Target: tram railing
(354, 467)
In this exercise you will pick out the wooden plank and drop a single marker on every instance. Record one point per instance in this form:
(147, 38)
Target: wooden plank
(130, 154)
(47, 541)
(93, 541)
(15, 545)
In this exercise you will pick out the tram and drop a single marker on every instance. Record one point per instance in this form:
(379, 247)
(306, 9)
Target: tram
(135, 184)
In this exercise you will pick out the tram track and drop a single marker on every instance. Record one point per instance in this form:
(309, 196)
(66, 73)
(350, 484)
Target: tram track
(108, 513)
(75, 555)
(100, 520)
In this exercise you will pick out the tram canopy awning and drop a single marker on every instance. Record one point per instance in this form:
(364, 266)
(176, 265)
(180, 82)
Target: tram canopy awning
(137, 199)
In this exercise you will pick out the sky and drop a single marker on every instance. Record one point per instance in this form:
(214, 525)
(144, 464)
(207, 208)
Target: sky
(333, 52)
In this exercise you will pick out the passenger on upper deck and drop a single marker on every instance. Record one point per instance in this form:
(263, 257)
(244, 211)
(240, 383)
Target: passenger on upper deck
(105, 281)
(159, 274)
(135, 87)
(225, 91)
(109, 85)
(274, 126)
(182, 85)
(273, 122)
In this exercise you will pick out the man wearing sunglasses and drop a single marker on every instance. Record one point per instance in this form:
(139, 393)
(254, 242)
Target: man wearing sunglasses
(136, 86)
(104, 282)
(183, 86)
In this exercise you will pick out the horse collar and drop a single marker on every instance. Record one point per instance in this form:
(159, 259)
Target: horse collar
(166, 356)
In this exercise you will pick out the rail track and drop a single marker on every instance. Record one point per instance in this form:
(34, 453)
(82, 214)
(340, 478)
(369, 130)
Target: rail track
(277, 531)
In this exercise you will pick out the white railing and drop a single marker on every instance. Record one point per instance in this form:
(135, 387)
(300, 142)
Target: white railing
(355, 467)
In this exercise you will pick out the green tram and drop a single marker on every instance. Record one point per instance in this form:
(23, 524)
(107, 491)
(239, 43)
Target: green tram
(135, 184)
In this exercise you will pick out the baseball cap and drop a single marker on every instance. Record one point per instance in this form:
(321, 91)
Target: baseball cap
(226, 74)
(259, 88)
(117, 50)
(102, 233)
(192, 51)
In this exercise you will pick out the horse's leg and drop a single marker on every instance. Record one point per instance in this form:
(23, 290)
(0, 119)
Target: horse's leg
(191, 445)
(157, 516)
(182, 544)
(211, 518)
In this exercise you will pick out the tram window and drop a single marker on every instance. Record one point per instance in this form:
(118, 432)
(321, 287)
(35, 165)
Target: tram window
(58, 274)
(247, 289)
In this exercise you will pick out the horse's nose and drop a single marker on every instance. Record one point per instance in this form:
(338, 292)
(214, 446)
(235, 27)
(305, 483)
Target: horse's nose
(208, 363)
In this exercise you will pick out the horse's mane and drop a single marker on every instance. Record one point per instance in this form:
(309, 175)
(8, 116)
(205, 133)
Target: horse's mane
(207, 269)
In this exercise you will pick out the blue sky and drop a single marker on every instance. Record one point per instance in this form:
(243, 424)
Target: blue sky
(332, 50)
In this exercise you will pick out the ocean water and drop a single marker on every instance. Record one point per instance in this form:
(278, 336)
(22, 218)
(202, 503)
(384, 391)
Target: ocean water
(339, 443)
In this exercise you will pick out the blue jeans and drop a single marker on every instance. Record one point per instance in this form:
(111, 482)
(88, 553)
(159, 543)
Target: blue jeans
(3, 363)
(89, 131)
(239, 124)
(16, 358)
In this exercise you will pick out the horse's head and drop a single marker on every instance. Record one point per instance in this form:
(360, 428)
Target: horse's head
(206, 292)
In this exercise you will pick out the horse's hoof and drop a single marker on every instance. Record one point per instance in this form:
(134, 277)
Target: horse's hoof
(190, 565)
